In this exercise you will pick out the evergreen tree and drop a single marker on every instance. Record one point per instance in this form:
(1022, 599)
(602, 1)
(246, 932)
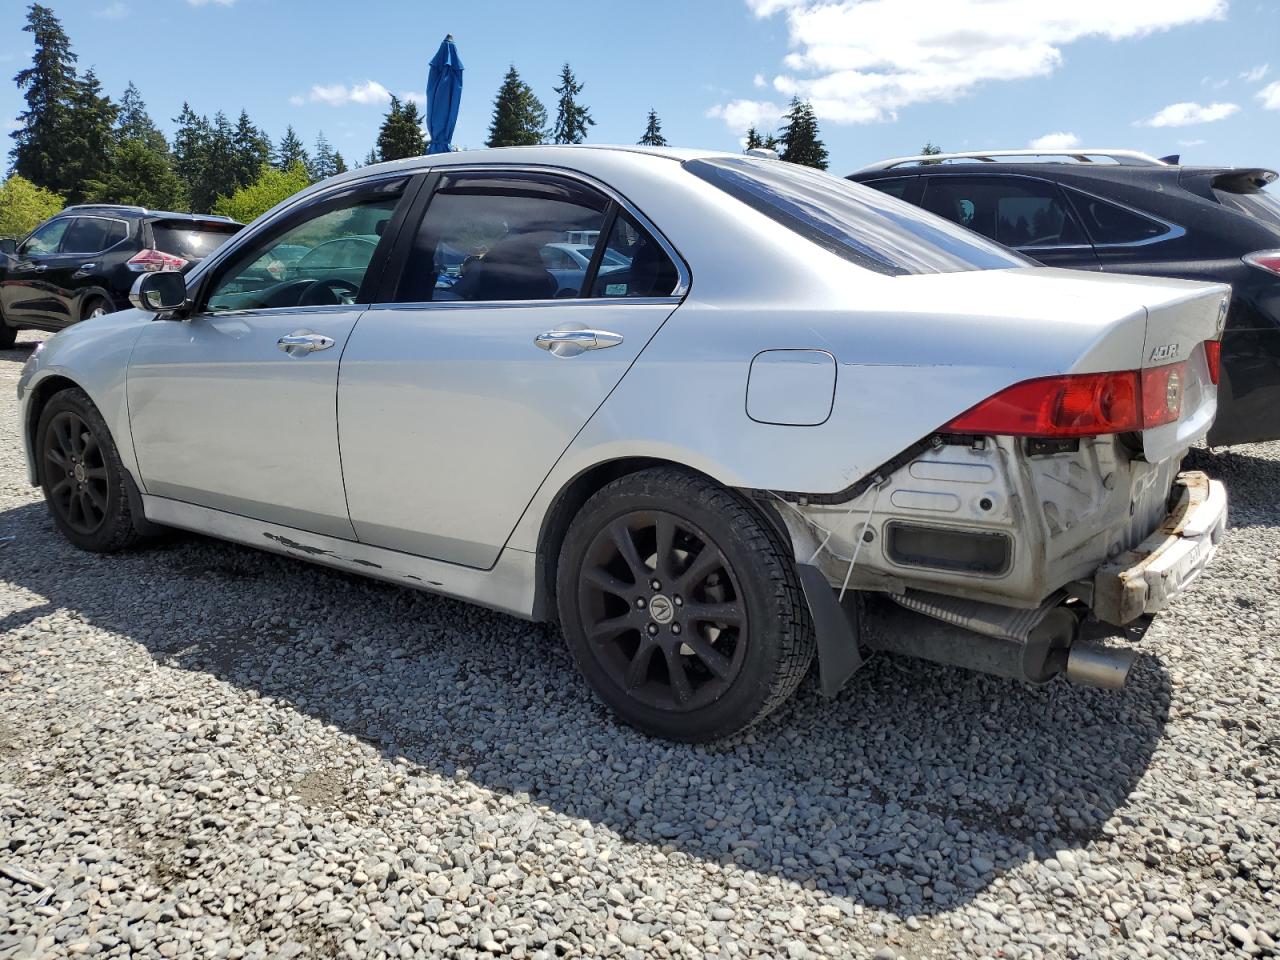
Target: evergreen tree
(799, 136)
(572, 118)
(754, 140)
(138, 174)
(291, 150)
(252, 150)
(219, 175)
(371, 159)
(134, 123)
(653, 132)
(43, 138)
(930, 149)
(90, 128)
(190, 145)
(519, 118)
(325, 161)
(401, 132)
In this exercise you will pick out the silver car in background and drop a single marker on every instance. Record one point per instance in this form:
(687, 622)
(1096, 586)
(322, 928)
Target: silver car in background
(770, 415)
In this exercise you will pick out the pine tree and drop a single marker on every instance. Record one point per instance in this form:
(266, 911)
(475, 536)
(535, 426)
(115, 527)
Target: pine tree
(401, 132)
(653, 132)
(519, 118)
(291, 150)
(134, 123)
(572, 118)
(799, 136)
(339, 165)
(930, 149)
(371, 159)
(220, 174)
(189, 142)
(754, 140)
(324, 160)
(90, 137)
(42, 139)
(138, 174)
(252, 149)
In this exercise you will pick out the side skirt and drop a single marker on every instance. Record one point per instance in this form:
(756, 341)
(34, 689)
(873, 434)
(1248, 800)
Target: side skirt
(508, 586)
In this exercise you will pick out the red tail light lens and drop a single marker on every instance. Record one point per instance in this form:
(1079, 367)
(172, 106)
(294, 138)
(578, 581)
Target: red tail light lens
(1268, 260)
(155, 261)
(1213, 356)
(1080, 404)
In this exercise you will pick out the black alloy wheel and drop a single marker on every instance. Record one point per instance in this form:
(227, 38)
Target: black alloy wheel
(660, 606)
(79, 486)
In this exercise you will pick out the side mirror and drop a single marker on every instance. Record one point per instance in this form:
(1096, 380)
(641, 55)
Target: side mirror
(8, 246)
(164, 292)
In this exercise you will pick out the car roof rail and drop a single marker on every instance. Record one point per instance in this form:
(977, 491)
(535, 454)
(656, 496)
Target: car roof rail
(1131, 158)
(106, 206)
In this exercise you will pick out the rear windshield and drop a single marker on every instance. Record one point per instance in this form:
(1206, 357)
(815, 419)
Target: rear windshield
(191, 241)
(863, 225)
(1259, 204)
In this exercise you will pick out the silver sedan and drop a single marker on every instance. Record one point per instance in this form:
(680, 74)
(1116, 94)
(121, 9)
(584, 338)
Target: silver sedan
(769, 417)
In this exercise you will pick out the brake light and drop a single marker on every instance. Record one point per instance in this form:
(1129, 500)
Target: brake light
(1268, 260)
(1213, 357)
(155, 261)
(1080, 404)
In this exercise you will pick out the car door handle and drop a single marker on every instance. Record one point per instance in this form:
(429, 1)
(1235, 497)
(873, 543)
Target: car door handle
(40, 267)
(300, 344)
(570, 343)
(85, 269)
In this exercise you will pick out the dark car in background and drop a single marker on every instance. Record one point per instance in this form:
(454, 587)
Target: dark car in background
(1125, 212)
(83, 262)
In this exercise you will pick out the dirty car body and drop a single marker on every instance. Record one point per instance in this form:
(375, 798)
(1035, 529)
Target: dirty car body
(926, 435)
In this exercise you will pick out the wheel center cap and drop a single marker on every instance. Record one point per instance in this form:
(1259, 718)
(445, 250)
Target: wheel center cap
(79, 472)
(661, 609)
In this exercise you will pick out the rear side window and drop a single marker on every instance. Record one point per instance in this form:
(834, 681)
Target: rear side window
(1109, 223)
(632, 264)
(93, 234)
(190, 241)
(862, 225)
(896, 187)
(1259, 204)
(1013, 211)
(491, 236)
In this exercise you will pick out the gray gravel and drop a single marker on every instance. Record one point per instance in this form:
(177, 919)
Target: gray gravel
(206, 750)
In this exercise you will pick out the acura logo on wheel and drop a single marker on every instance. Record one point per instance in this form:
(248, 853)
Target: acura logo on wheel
(661, 609)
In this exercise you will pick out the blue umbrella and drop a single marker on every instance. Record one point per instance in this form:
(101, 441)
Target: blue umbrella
(444, 96)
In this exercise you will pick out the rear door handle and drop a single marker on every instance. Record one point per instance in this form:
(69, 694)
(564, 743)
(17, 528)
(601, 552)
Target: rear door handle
(40, 267)
(300, 344)
(570, 343)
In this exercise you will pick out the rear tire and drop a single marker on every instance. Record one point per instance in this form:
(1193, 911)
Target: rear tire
(8, 335)
(681, 606)
(83, 480)
(95, 307)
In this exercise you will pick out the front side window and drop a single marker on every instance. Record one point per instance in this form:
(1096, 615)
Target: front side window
(45, 240)
(93, 234)
(1108, 223)
(1012, 211)
(497, 236)
(320, 261)
(873, 230)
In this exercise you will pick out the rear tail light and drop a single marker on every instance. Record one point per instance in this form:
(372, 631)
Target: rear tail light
(155, 261)
(1080, 404)
(1213, 357)
(1268, 260)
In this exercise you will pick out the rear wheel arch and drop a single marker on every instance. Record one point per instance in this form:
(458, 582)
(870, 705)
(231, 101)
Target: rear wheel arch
(574, 495)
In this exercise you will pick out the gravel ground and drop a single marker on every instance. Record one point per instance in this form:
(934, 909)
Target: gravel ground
(206, 750)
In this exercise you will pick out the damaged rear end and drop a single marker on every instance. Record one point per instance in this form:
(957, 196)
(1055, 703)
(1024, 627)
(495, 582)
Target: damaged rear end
(1055, 502)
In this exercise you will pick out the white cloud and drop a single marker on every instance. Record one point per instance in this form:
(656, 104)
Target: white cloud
(113, 11)
(370, 91)
(204, 3)
(1185, 114)
(1256, 74)
(741, 114)
(1055, 141)
(759, 81)
(1191, 143)
(860, 61)
(1269, 96)
(1211, 84)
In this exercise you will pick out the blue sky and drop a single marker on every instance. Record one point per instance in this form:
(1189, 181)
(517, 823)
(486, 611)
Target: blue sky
(1196, 77)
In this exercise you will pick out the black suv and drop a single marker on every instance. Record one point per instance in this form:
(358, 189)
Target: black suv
(83, 262)
(1124, 212)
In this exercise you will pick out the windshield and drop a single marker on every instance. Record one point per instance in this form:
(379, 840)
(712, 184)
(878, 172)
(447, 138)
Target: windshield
(1259, 204)
(191, 241)
(858, 223)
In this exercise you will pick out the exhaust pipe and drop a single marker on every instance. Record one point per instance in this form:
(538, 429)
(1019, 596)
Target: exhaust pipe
(1094, 666)
(1033, 646)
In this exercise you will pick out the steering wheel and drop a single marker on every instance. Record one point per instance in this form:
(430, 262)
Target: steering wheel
(328, 292)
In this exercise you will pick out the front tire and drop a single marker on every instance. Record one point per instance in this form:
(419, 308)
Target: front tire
(82, 476)
(681, 606)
